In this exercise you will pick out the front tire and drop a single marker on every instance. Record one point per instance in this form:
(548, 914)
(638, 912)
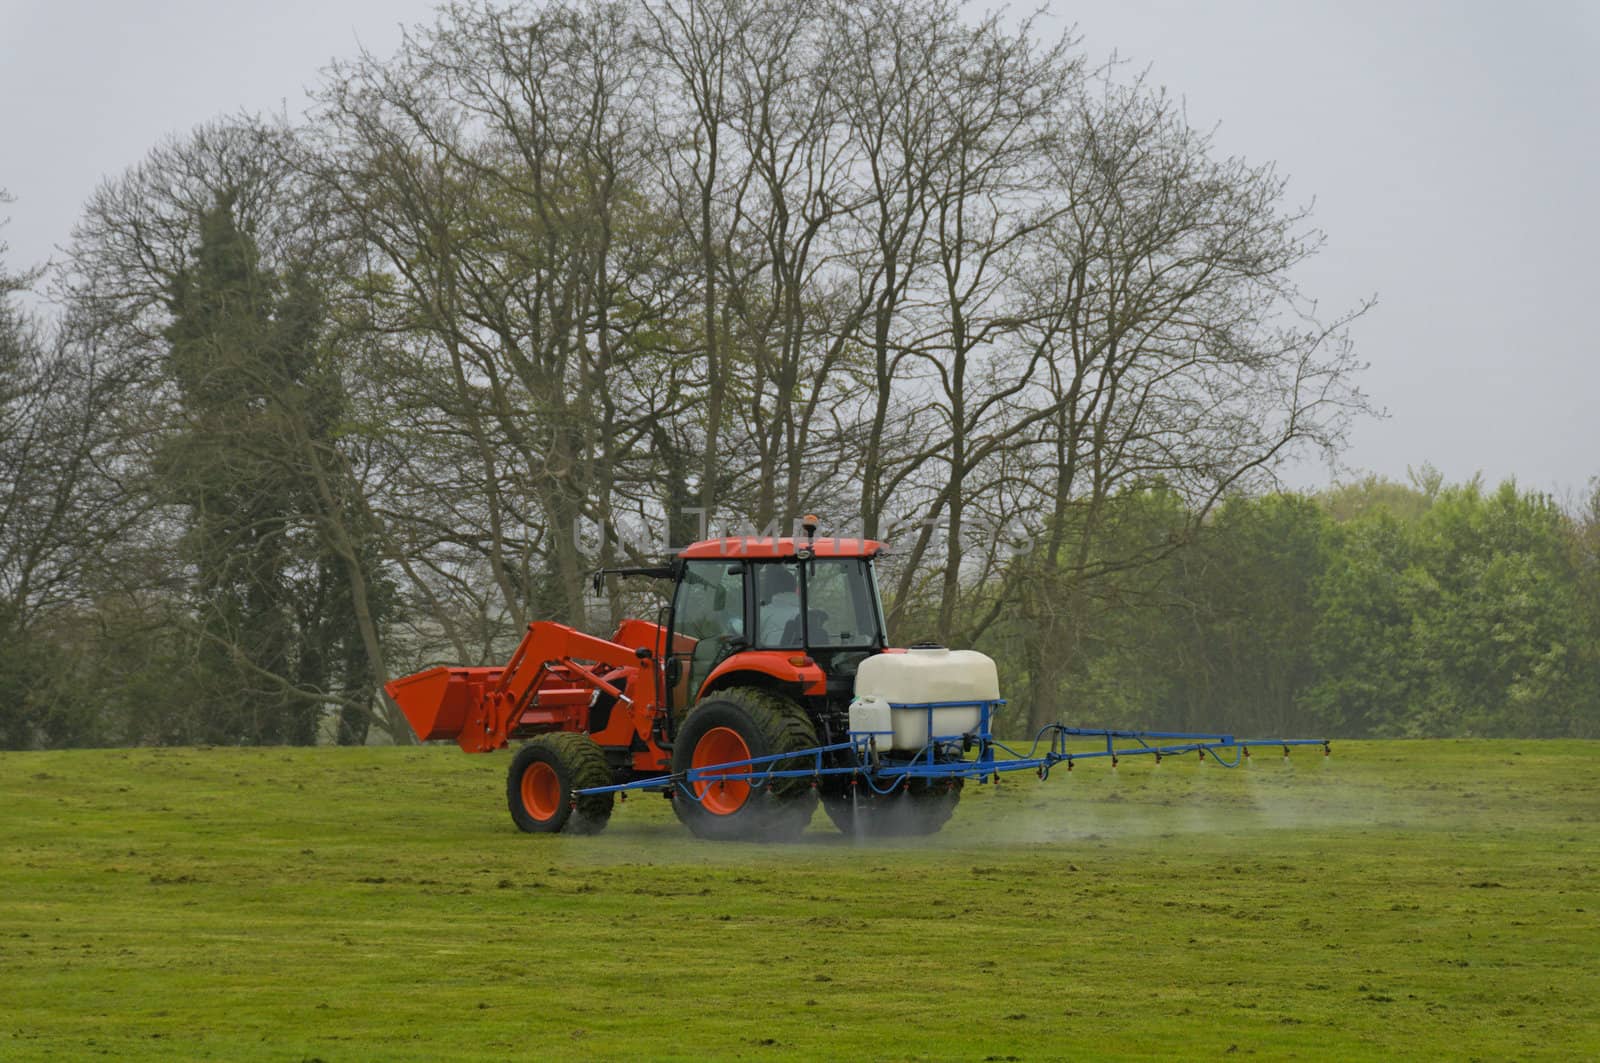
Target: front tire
(744, 723)
(543, 776)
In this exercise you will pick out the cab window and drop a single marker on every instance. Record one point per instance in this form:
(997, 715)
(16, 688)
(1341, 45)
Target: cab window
(839, 606)
(778, 606)
(709, 610)
(710, 601)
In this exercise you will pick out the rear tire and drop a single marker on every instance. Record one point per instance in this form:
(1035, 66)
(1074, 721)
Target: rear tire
(744, 723)
(543, 776)
(917, 810)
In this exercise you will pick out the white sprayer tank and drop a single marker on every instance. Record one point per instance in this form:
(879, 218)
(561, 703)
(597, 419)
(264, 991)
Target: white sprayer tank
(887, 681)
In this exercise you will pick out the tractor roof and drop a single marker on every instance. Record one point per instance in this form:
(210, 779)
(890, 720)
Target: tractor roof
(762, 547)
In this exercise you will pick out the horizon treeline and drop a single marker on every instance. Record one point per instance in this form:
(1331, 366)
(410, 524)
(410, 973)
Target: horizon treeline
(1368, 610)
(319, 403)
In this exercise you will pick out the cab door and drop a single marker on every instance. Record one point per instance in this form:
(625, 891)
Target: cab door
(710, 614)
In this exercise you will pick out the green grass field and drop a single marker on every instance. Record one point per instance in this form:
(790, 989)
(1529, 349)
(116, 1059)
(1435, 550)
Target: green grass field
(1424, 899)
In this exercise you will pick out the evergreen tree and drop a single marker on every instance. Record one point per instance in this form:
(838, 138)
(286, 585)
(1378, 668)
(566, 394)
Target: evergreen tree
(242, 350)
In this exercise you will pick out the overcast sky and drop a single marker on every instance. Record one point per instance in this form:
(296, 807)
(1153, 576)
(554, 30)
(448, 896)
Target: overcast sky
(1452, 151)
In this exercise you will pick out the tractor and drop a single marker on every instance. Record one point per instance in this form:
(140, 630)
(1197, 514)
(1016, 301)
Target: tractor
(769, 687)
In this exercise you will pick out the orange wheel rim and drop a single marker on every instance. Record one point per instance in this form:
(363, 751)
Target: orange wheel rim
(541, 790)
(722, 745)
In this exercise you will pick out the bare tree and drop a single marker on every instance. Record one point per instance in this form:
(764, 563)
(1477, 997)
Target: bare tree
(695, 47)
(492, 173)
(61, 502)
(1180, 353)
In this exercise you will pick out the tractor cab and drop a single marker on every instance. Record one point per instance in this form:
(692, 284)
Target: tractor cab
(800, 611)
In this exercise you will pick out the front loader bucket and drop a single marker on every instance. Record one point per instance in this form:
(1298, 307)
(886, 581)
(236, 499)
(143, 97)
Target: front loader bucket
(438, 702)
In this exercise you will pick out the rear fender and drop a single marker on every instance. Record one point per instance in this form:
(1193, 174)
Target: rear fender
(767, 668)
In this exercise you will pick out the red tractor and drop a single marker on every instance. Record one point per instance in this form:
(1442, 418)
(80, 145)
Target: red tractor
(770, 687)
(738, 708)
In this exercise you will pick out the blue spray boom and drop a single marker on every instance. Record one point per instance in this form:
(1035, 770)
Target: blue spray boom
(883, 772)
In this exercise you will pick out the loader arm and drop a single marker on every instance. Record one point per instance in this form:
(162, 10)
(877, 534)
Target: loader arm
(546, 686)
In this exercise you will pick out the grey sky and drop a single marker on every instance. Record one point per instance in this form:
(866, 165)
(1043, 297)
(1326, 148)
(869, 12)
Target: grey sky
(1452, 150)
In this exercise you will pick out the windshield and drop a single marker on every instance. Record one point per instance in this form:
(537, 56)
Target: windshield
(840, 608)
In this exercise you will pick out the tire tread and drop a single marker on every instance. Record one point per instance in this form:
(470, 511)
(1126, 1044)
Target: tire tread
(781, 810)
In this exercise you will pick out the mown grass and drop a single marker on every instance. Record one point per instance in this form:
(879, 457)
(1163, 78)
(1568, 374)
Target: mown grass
(1425, 899)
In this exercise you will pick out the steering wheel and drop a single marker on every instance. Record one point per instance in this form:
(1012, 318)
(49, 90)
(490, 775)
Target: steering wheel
(721, 647)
